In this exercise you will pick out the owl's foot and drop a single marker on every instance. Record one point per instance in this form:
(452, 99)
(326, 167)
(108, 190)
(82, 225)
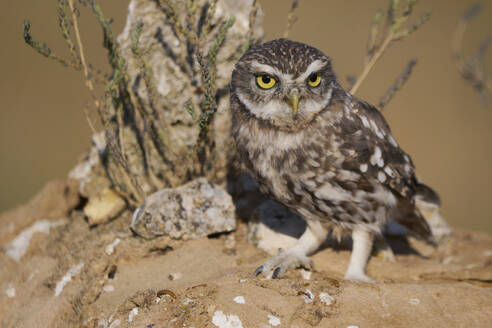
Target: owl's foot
(361, 250)
(297, 255)
(283, 261)
(359, 277)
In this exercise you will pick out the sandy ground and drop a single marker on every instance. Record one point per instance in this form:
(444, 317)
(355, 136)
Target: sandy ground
(76, 276)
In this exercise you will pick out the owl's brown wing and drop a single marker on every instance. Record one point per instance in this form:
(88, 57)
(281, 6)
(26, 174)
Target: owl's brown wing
(370, 150)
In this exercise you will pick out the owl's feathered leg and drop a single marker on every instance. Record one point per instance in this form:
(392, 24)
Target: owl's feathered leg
(361, 250)
(297, 255)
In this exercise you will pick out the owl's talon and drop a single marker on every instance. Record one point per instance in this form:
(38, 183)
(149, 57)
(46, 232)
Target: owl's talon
(277, 273)
(278, 265)
(258, 271)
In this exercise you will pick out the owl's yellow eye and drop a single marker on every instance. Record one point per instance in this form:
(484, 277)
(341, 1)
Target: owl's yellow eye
(314, 80)
(265, 81)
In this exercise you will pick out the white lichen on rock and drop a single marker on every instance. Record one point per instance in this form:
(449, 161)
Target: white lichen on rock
(196, 209)
(67, 278)
(18, 247)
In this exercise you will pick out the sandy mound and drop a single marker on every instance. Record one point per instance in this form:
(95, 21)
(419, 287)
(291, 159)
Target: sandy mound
(71, 275)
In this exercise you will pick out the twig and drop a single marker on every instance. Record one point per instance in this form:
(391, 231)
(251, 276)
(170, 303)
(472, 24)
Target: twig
(371, 62)
(472, 68)
(397, 85)
(88, 81)
(208, 104)
(291, 18)
(394, 30)
(252, 20)
(43, 48)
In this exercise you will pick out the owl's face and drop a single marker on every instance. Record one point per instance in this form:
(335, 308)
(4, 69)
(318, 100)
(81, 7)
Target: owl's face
(283, 82)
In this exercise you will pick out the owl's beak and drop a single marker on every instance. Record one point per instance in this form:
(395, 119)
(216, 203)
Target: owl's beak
(293, 100)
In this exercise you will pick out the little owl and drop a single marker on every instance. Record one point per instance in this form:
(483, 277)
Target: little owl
(321, 152)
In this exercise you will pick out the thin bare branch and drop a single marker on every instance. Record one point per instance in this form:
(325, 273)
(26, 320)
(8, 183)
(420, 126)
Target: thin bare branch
(397, 85)
(472, 68)
(291, 18)
(88, 80)
(394, 30)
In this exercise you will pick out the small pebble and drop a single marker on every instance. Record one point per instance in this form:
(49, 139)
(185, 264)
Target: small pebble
(175, 276)
(308, 296)
(239, 300)
(242, 281)
(222, 320)
(273, 320)
(108, 288)
(352, 326)
(414, 301)
(132, 314)
(306, 275)
(10, 291)
(325, 298)
(110, 248)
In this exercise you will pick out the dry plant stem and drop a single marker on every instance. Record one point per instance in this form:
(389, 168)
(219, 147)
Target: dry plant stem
(397, 85)
(472, 68)
(372, 61)
(291, 18)
(88, 81)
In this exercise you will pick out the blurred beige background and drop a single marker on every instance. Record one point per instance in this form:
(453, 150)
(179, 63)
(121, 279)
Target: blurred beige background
(437, 117)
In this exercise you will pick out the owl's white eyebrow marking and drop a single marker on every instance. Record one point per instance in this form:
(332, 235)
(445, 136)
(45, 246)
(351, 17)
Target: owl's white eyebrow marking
(313, 67)
(262, 68)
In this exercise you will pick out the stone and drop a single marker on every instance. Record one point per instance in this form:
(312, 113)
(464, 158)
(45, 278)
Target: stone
(104, 207)
(194, 210)
(177, 80)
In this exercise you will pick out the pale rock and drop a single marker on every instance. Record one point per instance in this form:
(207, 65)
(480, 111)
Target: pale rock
(194, 210)
(104, 206)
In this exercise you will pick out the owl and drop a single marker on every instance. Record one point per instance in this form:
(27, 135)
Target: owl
(321, 152)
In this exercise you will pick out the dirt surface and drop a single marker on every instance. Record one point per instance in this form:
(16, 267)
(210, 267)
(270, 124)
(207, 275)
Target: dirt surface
(77, 276)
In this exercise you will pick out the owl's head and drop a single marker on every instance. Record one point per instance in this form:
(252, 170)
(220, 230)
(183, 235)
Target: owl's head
(283, 82)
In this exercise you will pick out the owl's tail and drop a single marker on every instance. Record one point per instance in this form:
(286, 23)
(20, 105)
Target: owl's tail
(428, 203)
(422, 217)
